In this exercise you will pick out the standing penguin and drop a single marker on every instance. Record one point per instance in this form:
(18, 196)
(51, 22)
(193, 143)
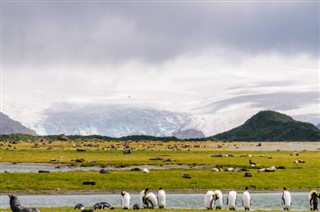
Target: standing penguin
(209, 200)
(125, 200)
(143, 194)
(246, 199)
(219, 200)
(231, 201)
(161, 198)
(286, 199)
(313, 200)
(151, 200)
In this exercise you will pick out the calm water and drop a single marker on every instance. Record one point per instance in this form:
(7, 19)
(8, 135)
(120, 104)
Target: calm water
(264, 201)
(34, 167)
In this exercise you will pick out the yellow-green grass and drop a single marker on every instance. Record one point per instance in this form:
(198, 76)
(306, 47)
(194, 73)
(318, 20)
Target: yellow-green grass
(294, 176)
(169, 179)
(200, 157)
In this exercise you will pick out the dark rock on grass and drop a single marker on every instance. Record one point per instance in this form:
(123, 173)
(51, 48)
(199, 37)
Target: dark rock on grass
(81, 150)
(247, 174)
(88, 183)
(156, 158)
(43, 171)
(104, 171)
(187, 176)
(168, 160)
(280, 167)
(136, 169)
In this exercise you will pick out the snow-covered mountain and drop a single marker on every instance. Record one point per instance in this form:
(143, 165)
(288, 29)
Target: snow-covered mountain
(213, 116)
(115, 121)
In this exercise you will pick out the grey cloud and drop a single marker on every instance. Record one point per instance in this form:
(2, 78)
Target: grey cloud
(273, 101)
(96, 33)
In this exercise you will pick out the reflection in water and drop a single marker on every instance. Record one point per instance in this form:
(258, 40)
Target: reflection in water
(261, 201)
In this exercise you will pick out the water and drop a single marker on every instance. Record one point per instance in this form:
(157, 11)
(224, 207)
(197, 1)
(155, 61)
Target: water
(35, 167)
(261, 201)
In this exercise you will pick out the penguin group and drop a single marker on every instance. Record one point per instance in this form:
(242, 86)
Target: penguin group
(212, 200)
(147, 199)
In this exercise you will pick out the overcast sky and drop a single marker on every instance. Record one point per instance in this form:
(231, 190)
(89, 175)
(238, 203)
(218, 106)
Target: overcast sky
(176, 56)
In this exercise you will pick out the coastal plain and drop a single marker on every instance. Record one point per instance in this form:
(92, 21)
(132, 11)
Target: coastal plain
(210, 165)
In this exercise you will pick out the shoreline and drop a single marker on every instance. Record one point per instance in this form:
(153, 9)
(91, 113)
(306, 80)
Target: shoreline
(168, 191)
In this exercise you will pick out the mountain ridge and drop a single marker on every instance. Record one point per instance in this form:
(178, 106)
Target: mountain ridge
(10, 126)
(271, 126)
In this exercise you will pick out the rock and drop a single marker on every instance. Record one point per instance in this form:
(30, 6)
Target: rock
(156, 158)
(104, 171)
(79, 160)
(88, 183)
(136, 169)
(262, 170)
(219, 155)
(247, 174)
(187, 176)
(168, 160)
(281, 167)
(43, 171)
(81, 150)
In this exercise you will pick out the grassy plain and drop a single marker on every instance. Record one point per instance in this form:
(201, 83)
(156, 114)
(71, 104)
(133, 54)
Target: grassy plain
(194, 158)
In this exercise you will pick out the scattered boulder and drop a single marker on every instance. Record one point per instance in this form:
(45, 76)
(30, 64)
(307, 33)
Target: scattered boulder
(187, 176)
(81, 150)
(104, 171)
(43, 171)
(168, 160)
(88, 183)
(80, 160)
(136, 169)
(156, 158)
(247, 174)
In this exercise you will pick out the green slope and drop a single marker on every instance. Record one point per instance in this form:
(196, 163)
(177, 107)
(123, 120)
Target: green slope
(271, 126)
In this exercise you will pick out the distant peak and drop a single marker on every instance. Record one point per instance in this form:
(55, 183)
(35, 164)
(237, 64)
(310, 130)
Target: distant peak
(269, 115)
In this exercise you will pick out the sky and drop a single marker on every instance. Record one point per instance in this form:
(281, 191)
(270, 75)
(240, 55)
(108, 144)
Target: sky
(197, 57)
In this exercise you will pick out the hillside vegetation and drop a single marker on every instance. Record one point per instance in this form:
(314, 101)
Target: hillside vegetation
(271, 126)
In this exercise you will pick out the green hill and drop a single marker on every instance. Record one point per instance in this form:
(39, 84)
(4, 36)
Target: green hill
(271, 126)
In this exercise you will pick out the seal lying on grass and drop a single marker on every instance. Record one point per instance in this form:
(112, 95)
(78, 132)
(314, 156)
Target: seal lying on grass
(17, 207)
